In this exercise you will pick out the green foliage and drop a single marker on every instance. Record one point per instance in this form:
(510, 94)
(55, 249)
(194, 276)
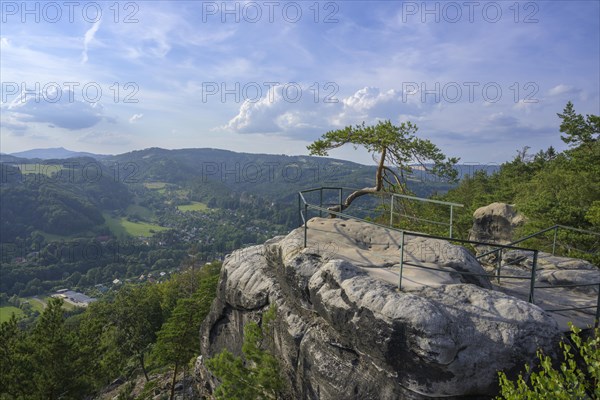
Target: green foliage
(12, 368)
(42, 363)
(63, 204)
(578, 130)
(177, 340)
(70, 356)
(549, 188)
(593, 214)
(136, 317)
(397, 146)
(53, 347)
(257, 374)
(578, 376)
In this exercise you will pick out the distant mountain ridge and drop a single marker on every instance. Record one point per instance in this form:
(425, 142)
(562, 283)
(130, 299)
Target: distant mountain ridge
(55, 153)
(210, 171)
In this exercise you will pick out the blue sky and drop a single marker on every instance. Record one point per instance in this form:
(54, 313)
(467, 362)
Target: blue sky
(480, 79)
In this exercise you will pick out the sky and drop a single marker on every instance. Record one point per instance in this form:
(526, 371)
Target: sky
(481, 79)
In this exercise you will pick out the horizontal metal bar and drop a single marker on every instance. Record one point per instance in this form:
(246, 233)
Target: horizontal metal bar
(534, 234)
(341, 214)
(573, 248)
(422, 219)
(426, 200)
(552, 228)
(569, 309)
(382, 193)
(310, 190)
(500, 246)
(465, 273)
(578, 230)
(573, 285)
(498, 249)
(328, 188)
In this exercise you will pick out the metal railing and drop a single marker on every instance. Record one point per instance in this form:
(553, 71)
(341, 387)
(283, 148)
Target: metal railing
(555, 228)
(303, 216)
(449, 224)
(393, 197)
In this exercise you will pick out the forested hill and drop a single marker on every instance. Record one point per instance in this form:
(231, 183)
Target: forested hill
(57, 197)
(68, 196)
(270, 176)
(204, 202)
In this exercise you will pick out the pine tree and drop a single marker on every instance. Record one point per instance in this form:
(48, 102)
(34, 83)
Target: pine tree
(177, 340)
(256, 375)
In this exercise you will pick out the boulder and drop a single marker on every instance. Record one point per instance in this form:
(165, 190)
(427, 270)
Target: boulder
(343, 331)
(495, 223)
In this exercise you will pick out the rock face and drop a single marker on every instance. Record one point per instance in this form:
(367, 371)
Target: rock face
(495, 223)
(344, 330)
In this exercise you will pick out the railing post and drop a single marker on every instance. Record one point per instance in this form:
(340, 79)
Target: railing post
(391, 210)
(450, 221)
(299, 209)
(499, 265)
(532, 283)
(340, 199)
(401, 260)
(597, 319)
(305, 223)
(554, 241)
(321, 202)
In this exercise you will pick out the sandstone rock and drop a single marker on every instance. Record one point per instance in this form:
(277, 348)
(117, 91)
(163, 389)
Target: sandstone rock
(551, 273)
(378, 249)
(495, 223)
(343, 332)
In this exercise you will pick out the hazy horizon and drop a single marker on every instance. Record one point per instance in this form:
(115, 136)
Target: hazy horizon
(480, 79)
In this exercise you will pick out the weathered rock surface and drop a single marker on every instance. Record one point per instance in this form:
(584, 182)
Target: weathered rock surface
(495, 223)
(378, 250)
(579, 280)
(344, 331)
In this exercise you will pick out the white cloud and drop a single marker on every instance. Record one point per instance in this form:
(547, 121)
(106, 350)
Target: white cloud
(280, 113)
(87, 39)
(11, 123)
(526, 106)
(563, 89)
(55, 108)
(135, 117)
(370, 104)
(369, 97)
(307, 118)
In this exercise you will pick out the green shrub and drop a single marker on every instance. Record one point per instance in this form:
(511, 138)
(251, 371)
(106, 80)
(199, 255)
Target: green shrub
(578, 376)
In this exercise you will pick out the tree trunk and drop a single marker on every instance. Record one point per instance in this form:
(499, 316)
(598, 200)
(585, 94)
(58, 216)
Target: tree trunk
(141, 358)
(173, 382)
(361, 192)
